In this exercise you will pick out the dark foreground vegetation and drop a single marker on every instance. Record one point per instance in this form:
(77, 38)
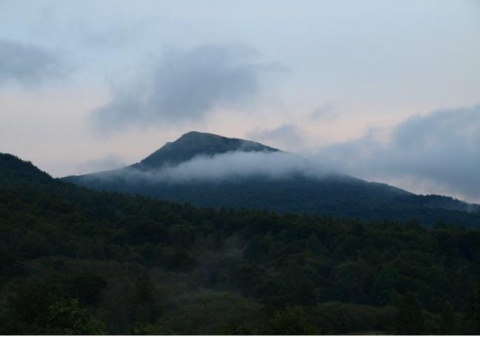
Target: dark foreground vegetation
(74, 261)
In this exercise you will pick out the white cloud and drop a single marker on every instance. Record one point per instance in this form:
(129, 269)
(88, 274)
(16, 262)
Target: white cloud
(273, 165)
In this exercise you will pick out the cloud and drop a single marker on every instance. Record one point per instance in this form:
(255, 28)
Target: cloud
(283, 136)
(273, 165)
(27, 64)
(108, 35)
(110, 162)
(439, 150)
(324, 112)
(185, 85)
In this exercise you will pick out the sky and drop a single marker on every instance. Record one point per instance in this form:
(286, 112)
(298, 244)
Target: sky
(383, 90)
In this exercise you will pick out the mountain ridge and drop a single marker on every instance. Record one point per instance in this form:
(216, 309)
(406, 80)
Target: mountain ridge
(334, 194)
(342, 196)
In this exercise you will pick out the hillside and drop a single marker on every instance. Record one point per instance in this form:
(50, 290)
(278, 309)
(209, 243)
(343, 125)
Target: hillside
(16, 171)
(76, 261)
(209, 171)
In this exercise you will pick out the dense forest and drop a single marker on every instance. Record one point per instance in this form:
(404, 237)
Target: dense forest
(76, 261)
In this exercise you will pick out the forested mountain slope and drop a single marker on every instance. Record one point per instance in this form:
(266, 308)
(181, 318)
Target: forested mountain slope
(84, 262)
(14, 171)
(214, 171)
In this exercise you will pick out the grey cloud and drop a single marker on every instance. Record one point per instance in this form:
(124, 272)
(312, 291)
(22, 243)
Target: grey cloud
(184, 86)
(282, 136)
(112, 36)
(110, 162)
(27, 65)
(324, 112)
(439, 149)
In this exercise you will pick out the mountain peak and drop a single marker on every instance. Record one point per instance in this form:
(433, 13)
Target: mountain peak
(199, 138)
(195, 143)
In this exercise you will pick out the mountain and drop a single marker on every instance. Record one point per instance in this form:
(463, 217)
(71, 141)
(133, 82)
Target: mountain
(14, 171)
(194, 144)
(213, 171)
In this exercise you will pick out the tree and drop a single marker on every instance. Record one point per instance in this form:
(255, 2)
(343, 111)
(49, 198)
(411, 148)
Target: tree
(160, 328)
(88, 288)
(289, 321)
(472, 313)
(410, 318)
(67, 317)
(351, 281)
(146, 308)
(315, 246)
(448, 324)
